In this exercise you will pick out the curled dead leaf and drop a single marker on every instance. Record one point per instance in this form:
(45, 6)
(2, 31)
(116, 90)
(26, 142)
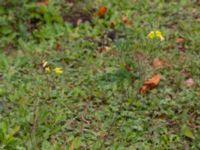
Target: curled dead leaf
(149, 84)
(102, 11)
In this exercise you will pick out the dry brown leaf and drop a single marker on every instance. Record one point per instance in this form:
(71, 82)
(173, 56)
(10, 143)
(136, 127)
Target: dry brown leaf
(149, 84)
(102, 11)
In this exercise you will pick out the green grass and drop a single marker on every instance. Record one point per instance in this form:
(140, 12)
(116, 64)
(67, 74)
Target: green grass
(95, 103)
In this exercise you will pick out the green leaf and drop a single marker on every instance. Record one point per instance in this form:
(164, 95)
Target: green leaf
(3, 62)
(186, 131)
(6, 30)
(2, 10)
(14, 131)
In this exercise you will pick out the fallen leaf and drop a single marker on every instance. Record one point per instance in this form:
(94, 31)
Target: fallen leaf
(149, 84)
(102, 11)
(189, 82)
(126, 20)
(157, 63)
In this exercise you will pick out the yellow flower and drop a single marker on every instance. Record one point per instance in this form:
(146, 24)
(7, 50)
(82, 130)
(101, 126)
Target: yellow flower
(151, 35)
(48, 69)
(58, 70)
(154, 34)
(159, 35)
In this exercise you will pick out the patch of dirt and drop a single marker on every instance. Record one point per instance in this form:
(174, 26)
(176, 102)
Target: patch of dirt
(78, 17)
(111, 34)
(77, 12)
(105, 42)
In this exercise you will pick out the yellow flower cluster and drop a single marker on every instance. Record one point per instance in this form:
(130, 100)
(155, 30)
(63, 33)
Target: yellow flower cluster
(57, 70)
(154, 34)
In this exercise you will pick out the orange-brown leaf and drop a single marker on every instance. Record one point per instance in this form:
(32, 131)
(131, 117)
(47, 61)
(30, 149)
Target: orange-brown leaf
(149, 84)
(102, 11)
(126, 20)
